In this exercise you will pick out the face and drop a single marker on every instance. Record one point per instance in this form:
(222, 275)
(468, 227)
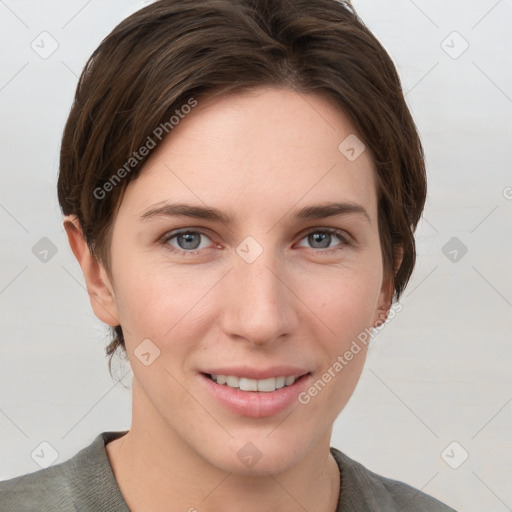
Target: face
(268, 293)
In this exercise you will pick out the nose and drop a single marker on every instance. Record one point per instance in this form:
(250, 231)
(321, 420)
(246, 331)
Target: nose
(260, 305)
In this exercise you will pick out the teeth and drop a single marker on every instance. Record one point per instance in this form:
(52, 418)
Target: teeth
(289, 380)
(245, 384)
(221, 379)
(280, 382)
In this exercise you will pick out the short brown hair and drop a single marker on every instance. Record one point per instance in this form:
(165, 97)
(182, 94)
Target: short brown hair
(155, 60)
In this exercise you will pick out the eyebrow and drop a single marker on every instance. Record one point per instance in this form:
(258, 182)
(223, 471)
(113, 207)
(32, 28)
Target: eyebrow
(313, 212)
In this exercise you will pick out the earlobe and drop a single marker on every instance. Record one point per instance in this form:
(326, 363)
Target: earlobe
(99, 288)
(386, 296)
(385, 300)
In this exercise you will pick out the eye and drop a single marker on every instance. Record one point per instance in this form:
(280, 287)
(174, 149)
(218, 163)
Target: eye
(188, 241)
(322, 238)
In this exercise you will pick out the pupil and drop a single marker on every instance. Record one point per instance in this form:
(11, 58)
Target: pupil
(188, 239)
(322, 237)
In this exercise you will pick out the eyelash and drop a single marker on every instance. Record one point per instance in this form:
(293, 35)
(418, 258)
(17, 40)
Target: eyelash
(340, 234)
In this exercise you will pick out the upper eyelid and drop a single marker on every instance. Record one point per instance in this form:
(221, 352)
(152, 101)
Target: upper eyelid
(178, 231)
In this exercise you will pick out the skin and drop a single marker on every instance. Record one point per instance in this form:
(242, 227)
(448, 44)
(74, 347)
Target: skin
(258, 156)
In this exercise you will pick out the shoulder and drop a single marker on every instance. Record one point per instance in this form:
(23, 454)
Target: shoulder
(362, 489)
(84, 478)
(46, 488)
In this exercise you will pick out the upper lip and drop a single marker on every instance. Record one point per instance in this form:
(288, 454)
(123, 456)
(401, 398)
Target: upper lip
(258, 373)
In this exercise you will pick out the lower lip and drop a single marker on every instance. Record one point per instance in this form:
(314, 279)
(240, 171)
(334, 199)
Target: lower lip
(256, 404)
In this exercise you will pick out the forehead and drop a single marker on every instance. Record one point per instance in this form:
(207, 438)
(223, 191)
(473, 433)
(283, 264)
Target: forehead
(263, 150)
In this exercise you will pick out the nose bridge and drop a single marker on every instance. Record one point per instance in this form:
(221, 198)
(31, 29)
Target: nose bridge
(260, 308)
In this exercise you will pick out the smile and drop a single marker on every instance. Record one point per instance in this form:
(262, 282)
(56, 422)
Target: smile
(247, 384)
(255, 398)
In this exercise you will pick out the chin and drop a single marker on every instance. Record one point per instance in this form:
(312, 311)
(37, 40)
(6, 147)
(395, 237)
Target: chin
(258, 456)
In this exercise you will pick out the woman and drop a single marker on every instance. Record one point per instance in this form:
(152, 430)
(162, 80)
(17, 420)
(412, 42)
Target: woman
(241, 182)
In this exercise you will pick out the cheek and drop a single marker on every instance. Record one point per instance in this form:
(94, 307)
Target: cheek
(346, 308)
(160, 303)
(343, 298)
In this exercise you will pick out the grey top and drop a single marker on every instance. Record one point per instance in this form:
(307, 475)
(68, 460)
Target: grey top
(86, 483)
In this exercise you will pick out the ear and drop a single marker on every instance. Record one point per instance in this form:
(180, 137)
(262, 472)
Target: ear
(99, 287)
(386, 295)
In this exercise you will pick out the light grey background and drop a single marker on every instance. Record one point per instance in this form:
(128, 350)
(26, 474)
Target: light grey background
(439, 372)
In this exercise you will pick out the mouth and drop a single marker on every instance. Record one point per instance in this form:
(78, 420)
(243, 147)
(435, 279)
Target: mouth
(267, 385)
(255, 398)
